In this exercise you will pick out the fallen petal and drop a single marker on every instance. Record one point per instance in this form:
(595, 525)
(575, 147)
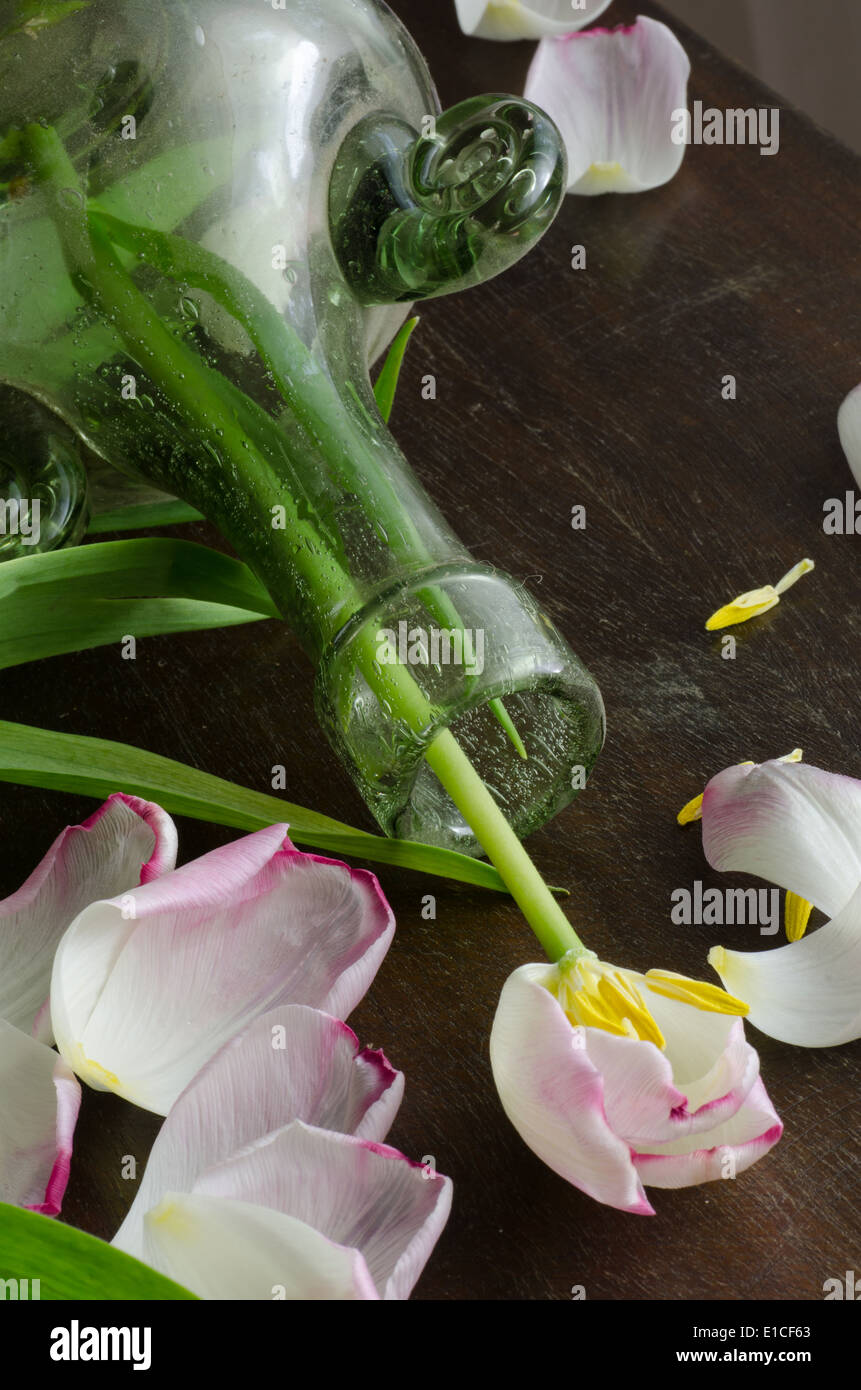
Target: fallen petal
(146, 990)
(849, 429)
(514, 19)
(790, 823)
(39, 1102)
(808, 992)
(124, 843)
(360, 1195)
(222, 1249)
(293, 1063)
(613, 94)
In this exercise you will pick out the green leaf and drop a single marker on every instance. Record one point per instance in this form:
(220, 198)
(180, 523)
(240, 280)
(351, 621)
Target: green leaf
(95, 767)
(71, 1265)
(387, 381)
(140, 515)
(86, 596)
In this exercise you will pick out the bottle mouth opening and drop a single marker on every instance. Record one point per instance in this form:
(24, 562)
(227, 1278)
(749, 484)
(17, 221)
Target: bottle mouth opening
(487, 664)
(562, 738)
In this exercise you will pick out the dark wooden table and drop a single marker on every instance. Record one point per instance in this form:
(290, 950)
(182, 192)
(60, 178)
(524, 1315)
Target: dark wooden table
(599, 387)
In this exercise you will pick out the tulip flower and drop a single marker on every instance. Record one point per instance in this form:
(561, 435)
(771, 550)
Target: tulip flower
(516, 19)
(147, 986)
(125, 843)
(849, 429)
(614, 95)
(617, 1079)
(269, 1178)
(799, 827)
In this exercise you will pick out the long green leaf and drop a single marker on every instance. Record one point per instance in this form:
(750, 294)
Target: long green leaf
(71, 1265)
(387, 382)
(140, 515)
(95, 767)
(68, 600)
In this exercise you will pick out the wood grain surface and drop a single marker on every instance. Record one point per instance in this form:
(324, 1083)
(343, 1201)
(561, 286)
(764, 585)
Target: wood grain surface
(599, 387)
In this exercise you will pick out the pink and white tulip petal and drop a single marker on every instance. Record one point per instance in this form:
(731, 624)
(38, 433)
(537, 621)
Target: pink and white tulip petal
(807, 992)
(526, 19)
(39, 1102)
(146, 989)
(293, 1063)
(360, 1195)
(615, 96)
(586, 1100)
(735, 1145)
(790, 823)
(124, 843)
(553, 1092)
(223, 1249)
(849, 429)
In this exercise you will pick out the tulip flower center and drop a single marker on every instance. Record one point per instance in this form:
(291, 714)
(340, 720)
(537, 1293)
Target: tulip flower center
(596, 995)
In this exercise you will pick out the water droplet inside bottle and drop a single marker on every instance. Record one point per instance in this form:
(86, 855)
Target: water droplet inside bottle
(71, 197)
(199, 36)
(188, 308)
(291, 272)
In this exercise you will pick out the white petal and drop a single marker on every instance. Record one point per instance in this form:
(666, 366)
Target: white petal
(293, 1063)
(221, 1249)
(733, 1147)
(790, 823)
(360, 1195)
(124, 843)
(807, 992)
(526, 19)
(39, 1102)
(553, 1092)
(140, 1002)
(849, 429)
(615, 96)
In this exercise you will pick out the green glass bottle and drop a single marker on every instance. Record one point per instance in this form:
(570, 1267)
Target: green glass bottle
(213, 218)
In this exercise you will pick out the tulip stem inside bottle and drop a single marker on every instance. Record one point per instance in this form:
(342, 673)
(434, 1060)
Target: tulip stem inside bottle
(248, 438)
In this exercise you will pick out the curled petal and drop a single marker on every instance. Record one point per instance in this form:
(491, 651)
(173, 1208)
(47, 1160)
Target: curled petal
(360, 1195)
(790, 823)
(616, 96)
(525, 19)
(808, 992)
(222, 1249)
(146, 989)
(734, 1146)
(39, 1102)
(553, 1092)
(125, 843)
(293, 1063)
(849, 429)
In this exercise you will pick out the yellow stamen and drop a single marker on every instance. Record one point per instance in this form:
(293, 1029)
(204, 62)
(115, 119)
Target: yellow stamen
(796, 915)
(711, 999)
(595, 995)
(757, 601)
(693, 809)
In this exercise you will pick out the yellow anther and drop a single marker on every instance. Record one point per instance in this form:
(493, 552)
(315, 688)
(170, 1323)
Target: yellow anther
(757, 601)
(692, 810)
(796, 915)
(710, 998)
(595, 995)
